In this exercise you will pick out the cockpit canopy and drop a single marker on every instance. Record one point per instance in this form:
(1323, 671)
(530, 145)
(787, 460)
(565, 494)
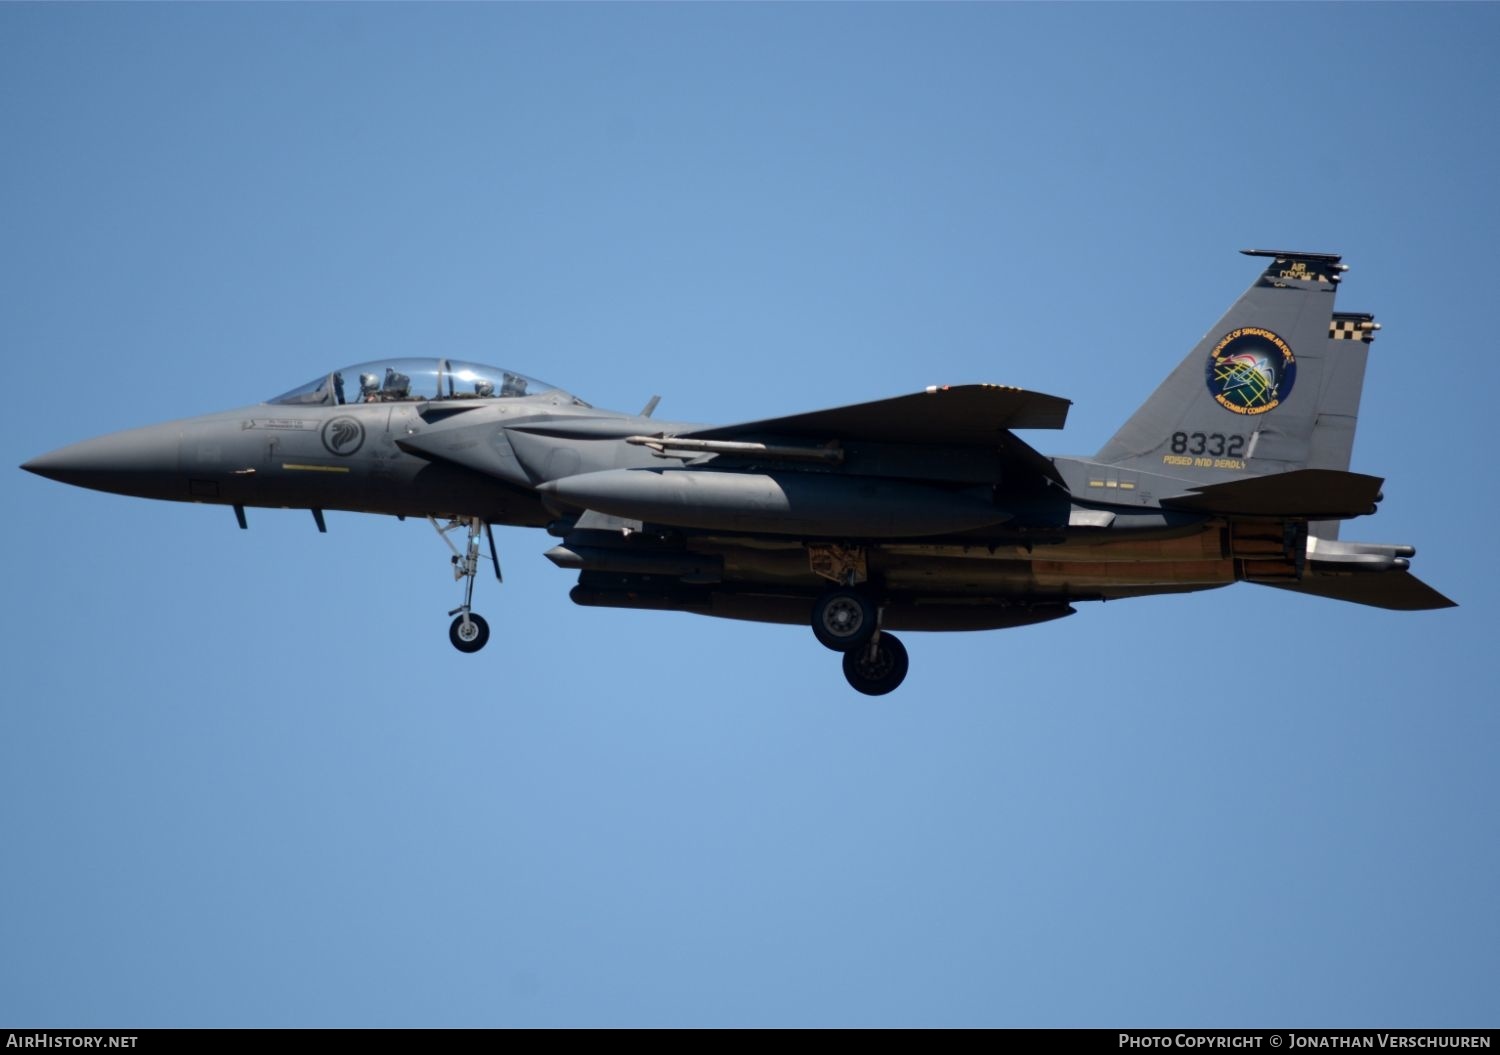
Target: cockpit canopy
(417, 380)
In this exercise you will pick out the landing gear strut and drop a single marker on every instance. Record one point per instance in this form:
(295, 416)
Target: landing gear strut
(469, 631)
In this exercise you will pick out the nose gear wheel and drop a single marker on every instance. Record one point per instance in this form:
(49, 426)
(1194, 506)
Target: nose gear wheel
(469, 632)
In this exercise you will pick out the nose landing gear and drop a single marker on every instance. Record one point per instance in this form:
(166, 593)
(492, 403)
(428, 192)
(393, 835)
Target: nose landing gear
(469, 632)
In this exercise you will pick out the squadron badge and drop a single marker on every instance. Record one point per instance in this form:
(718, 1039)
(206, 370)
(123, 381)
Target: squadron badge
(1251, 371)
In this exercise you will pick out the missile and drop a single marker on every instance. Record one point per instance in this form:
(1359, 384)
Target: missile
(799, 504)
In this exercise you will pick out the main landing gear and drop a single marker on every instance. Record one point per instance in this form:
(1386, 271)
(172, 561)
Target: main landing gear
(469, 631)
(846, 620)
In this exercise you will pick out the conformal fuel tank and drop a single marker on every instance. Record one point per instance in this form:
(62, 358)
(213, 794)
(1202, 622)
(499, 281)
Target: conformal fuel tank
(792, 503)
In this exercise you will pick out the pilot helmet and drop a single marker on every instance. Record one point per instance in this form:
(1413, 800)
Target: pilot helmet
(369, 384)
(484, 389)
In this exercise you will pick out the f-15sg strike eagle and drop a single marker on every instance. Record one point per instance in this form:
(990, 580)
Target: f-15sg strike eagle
(922, 512)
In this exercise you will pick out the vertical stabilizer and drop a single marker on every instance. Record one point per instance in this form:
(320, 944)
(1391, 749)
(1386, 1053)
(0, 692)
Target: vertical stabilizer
(1273, 386)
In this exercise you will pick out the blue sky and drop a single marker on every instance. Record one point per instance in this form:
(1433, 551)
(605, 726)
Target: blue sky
(246, 779)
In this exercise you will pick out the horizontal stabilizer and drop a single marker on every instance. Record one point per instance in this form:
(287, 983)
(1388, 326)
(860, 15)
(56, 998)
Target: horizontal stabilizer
(1400, 591)
(1314, 493)
(960, 414)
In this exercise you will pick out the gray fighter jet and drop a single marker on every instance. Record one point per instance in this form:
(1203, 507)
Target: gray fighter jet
(922, 512)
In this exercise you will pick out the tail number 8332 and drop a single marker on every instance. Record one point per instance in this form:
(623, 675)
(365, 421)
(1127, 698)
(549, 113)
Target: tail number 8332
(1213, 444)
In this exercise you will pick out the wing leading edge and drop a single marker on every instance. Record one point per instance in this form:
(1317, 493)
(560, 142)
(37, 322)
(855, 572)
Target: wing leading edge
(960, 414)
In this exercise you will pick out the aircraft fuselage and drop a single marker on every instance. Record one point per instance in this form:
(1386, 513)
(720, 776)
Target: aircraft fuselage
(923, 511)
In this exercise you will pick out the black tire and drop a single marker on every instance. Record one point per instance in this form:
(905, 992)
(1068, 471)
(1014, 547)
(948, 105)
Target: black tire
(884, 673)
(479, 633)
(843, 620)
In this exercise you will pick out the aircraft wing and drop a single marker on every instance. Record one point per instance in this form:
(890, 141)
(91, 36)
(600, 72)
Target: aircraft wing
(978, 415)
(957, 415)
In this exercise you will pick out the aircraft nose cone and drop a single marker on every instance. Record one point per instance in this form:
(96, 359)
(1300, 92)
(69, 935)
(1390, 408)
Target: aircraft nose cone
(141, 462)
